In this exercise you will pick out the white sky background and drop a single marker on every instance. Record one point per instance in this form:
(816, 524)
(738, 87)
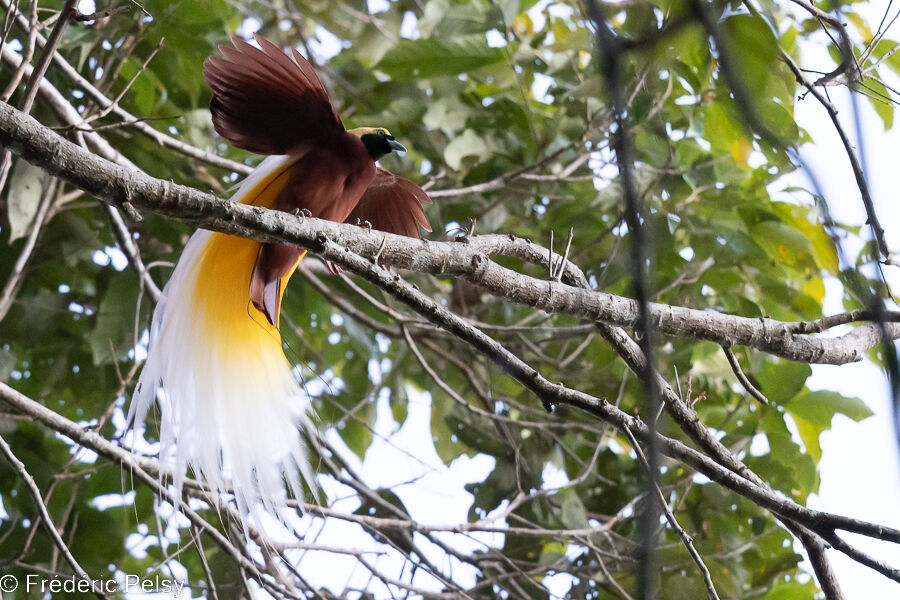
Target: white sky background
(860, 470)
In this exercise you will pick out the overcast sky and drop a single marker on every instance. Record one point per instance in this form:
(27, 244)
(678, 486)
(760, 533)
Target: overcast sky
(859, 466)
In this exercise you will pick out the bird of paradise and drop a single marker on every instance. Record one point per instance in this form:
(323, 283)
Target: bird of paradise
(231, 408)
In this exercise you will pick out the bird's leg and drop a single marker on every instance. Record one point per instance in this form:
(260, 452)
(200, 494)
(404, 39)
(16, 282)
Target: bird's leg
(301, 212)
(465, 234)
(366, 224)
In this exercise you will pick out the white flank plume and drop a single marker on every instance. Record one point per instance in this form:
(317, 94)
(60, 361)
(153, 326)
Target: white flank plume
(230, 405)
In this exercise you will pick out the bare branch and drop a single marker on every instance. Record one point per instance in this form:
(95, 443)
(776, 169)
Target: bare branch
(118, 185)
(686, 539)
(46, 519)
(739, 373)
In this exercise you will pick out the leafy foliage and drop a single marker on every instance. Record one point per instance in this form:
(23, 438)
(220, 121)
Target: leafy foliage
(480, 91)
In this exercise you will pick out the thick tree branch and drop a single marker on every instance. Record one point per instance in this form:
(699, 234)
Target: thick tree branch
(553, 394)
(549, 392)
(468, 258)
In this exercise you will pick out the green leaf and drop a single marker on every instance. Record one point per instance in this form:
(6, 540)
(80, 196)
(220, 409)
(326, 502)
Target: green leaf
(820, 406)
(809, 433)
(724, 130)
(357, 430)
(552, 552)
(399, 398)
(781, 380)
(477, 436)
(510, 10)
(753, 50)
(447, 114)
(388, 505)
(572, 512)
(7, 363)
(446, 442)
(500, 484)
(778, 119)
(469, 144)
(792, 590)
(782, 242)
(881, 100)
(884, 47)
(113, 333)
(412, 59)
(27, 187)
(821, 246)
(691, 46)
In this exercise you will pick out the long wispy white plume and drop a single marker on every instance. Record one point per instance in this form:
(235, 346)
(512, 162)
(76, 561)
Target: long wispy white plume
(229, 402)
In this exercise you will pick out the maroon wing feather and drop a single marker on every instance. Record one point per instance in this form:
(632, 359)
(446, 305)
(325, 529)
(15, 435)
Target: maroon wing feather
(267, 102)
(392, 204)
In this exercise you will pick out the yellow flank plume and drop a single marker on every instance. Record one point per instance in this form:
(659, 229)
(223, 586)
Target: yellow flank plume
(231, 409)
(223, 277)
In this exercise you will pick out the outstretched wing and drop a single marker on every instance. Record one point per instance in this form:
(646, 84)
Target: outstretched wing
(267, 102)
(392, 204)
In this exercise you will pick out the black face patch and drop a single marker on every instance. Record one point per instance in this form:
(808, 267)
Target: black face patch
(380, 143)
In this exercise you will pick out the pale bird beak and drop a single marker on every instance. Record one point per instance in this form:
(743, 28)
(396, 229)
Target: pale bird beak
(396, 146)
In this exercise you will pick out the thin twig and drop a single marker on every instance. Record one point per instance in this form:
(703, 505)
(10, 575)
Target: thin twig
(47, 520)
(37, 74)
(609, 46)
(739, 373)
(686, 539)
(17, 274)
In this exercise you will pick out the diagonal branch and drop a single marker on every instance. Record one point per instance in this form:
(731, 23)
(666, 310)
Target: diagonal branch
(67, 114)
(46, 518)
(100, 98)
(37, 75)
(685, 537)
(468, 258)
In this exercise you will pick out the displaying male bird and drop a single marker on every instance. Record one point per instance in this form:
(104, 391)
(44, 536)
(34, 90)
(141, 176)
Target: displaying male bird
(230, 403)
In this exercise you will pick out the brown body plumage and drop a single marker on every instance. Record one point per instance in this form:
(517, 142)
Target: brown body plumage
(267, 102)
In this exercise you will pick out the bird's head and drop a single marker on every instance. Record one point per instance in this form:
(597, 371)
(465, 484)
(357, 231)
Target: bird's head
(378, 141)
